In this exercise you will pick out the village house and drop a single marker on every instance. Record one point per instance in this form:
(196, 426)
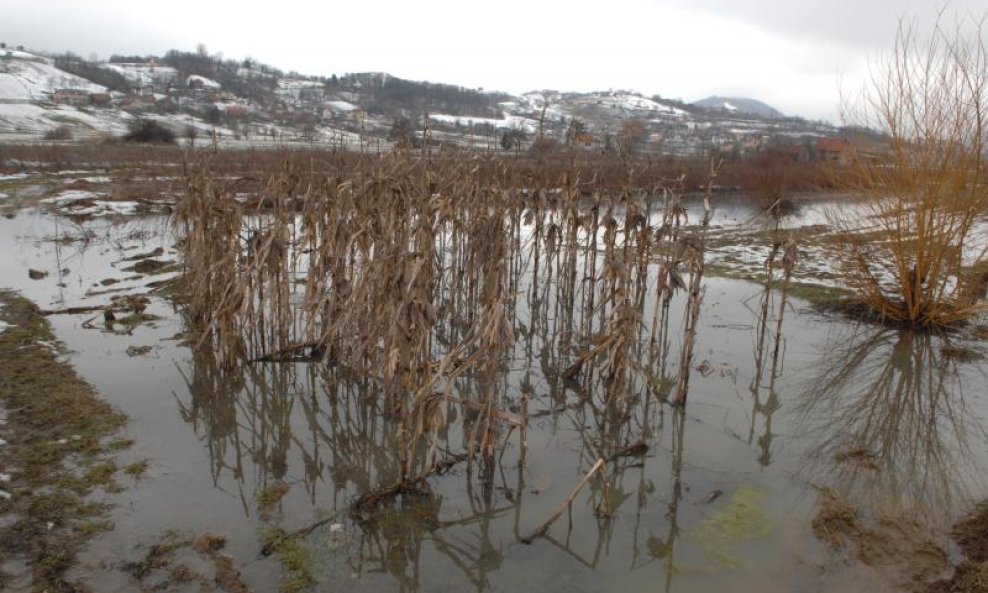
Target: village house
(834, 150)
(137, 102)
(100, 99)
(74, 97)
(237, 111)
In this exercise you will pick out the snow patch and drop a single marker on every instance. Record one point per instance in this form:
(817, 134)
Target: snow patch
(297, 83)
(341, 105)
(72, 195)
(86, 203)
(207, 83)
(510, 121)
(144, 74)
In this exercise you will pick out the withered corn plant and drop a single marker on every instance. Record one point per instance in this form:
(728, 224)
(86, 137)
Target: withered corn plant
(420, 272)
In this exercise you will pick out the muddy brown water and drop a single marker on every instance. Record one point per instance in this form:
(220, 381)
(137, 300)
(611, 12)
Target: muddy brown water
(721, 501)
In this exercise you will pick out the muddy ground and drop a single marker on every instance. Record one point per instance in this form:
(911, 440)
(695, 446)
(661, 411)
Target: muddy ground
(58, 457)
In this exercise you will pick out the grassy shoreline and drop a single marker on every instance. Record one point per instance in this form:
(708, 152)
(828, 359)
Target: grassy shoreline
(61, 440)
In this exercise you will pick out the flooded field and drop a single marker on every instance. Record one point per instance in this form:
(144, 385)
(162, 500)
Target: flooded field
(814, 452)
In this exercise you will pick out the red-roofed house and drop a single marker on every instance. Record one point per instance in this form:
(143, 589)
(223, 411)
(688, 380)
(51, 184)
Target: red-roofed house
(834, 150)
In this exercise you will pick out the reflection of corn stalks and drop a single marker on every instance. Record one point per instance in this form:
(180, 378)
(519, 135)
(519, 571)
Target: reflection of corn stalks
(768, 311)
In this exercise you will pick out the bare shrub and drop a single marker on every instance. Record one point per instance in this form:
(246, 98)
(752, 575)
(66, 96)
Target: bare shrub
(925, 192)
(59, 133)
(149, 131)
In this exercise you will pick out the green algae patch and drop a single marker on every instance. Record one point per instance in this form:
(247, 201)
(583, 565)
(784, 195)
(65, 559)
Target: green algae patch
(742, 519)
(58, 450)
(295, 558)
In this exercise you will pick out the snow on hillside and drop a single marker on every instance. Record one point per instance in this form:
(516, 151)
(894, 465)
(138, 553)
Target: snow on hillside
(341, 105)
(532, 103)
(248, 73)
(739, 105)
(31, 121)
(206, 83)
(28, 119)
(145, 74)
(509, 122)
(23, 55)
(632, 102)
(294, 88)
(30, 80)
(297, 83)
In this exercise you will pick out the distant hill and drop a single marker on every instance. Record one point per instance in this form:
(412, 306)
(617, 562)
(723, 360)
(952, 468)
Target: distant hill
(199, 96)
(740, 105)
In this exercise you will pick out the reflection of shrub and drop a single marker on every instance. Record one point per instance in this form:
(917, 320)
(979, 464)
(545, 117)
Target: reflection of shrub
(149, 131)
(887, 423)
(925, 191)
(59, 133)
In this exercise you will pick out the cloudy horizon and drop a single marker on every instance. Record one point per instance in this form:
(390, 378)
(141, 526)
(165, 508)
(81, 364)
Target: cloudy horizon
(794, 57)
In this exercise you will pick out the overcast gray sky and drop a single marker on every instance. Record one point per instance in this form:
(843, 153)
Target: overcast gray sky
(789, 53)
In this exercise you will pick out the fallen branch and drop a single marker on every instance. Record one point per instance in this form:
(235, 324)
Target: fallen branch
(541, 530)
(271, 546)
(636, 449)
(290, 353)
(369, 501)
(74, 310)
(501, 414)
(574, 369)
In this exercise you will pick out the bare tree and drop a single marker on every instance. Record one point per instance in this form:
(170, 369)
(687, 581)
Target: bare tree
(631, 136)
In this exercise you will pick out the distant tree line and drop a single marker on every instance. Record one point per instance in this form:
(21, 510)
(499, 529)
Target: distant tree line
(225, 72)
(387, 94)
(132, 59)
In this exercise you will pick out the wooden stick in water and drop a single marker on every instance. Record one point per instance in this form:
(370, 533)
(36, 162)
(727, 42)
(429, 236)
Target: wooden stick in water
(541, 530)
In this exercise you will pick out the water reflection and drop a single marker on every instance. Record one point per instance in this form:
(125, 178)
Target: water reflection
(768, 351)
(321, 427)
(890, 426)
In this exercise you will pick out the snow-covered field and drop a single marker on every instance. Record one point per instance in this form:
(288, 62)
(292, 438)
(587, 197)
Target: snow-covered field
(33, 120)
(145, 74)
(632, 102)
(30, 80)
(511, 121)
